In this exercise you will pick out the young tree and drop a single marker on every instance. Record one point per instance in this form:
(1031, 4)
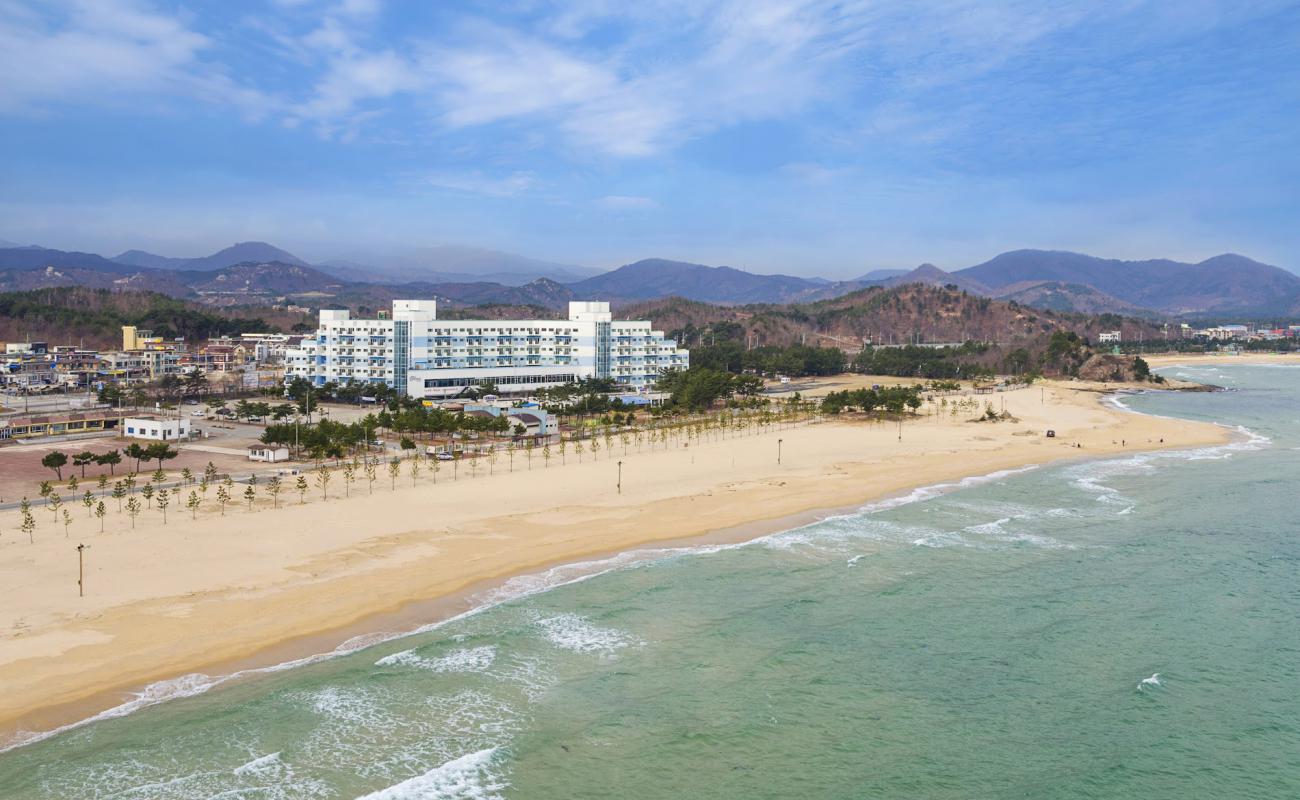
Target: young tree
(415, 469)
(546, 456)
(88, 500)
(55, 461)
(101, 483)
(119, 492)
(595, 449)
(53, 501)
(564, 448)
(301, 486)
(223, 497)
(187, 476)
(210, 473)
(147, 492)
(349, 475)
(133, 510)
(67, 520)
(323, 482)
(164, 497)
(394, 469)
(28, 525)
(110, 459)
(371, 475)
(100, 511)
(82, 459)
(159, 476)
(193, 505)
(273, 488)
(73, 483)
(250, 496)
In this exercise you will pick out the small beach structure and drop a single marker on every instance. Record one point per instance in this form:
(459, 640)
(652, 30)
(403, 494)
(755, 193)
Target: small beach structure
(271, 454)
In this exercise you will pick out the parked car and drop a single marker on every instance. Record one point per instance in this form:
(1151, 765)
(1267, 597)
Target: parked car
(445, 457)
(198, 415)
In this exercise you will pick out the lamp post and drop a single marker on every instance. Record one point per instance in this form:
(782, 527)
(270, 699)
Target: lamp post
(778, 451)
(81, 569)
(620, 477)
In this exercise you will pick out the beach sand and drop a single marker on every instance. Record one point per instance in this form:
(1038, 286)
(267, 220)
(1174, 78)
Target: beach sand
(1227, 359)
(259, 587)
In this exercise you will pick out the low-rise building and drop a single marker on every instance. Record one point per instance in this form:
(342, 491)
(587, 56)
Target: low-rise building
(38, 426)
(270, 453)
(163, 429)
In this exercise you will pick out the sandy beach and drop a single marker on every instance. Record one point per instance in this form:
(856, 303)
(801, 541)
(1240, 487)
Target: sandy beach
(258, 587)
(1170, 359)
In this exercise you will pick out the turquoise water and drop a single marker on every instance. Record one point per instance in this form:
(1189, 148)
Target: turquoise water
(1127, 628)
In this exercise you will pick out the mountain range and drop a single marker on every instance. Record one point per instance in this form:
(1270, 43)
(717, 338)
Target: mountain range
(258, 273)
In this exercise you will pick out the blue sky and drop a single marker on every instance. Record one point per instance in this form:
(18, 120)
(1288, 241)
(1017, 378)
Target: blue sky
(804, 137)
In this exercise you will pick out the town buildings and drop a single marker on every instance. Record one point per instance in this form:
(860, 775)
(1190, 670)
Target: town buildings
(425, 357)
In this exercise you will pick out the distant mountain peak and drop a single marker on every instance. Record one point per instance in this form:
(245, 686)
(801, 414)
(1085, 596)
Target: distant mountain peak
(238, 253)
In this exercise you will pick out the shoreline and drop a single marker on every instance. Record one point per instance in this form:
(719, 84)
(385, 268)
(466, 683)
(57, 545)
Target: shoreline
(410, 613)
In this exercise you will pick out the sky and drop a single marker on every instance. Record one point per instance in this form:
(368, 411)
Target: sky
(826, 138)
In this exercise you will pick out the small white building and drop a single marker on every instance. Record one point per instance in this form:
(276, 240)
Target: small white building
(160, 429)
(1109, 337)
(270, 453)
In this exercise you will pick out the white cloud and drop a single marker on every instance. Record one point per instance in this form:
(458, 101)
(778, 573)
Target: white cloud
(510, 185)
(504, 74)
(619, 202)
(98, 50)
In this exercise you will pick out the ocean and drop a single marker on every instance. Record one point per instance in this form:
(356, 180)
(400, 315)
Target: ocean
(1119, 628)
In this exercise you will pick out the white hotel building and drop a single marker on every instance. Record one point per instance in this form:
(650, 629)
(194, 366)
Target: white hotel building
(431, 358)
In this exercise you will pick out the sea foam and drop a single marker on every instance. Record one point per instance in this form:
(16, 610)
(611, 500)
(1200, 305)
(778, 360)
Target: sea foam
(574, 632)
(469, 777)
(471, 659)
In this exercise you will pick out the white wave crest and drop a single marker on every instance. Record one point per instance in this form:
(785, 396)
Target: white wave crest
(469, 777)
(1154, 680)
(576, 633)
(258, 765)
(470, 659)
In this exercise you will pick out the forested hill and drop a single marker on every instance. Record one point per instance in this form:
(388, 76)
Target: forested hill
(914, 312)
(94, 317)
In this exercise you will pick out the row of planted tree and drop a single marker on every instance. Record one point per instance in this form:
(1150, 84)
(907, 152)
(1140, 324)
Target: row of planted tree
(130, 497)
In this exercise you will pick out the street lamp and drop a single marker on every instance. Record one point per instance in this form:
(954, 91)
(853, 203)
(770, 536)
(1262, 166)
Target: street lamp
(620, 477)
(778, 451)
(81, 569)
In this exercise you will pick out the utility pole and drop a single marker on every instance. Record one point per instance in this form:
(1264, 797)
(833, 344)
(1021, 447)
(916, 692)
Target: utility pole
(81, 569)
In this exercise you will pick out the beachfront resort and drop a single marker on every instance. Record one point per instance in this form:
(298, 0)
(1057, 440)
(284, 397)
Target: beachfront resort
(413, 351)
